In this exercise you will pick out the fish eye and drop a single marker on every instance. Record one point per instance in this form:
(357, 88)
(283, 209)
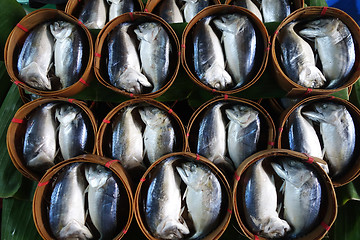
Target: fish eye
(192, 168)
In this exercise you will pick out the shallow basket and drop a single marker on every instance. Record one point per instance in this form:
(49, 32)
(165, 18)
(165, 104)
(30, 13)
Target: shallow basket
(17, 38)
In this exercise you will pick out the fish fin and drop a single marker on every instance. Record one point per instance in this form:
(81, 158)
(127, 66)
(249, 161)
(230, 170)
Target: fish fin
(185, 193)
(282, 188)
(315, 116)
(278, 209)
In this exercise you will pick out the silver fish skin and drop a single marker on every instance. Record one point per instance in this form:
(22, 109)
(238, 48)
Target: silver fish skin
(275, 10)
(298, 59)
(93, 14)
(35, 58)
(212, 137)
(338, 133)
(155, 48)
(67, 211)
(335, 45)
(68, 52)
(209, 59)
(261, 203)
(159, 134)
(250, 5)
(124, 62)
(40, 148)
(243, 133)
(127, 140)
(302, 195)
(104, 200)
(203, 197)
(239, 38)
(170, 11)
(163, 204)
(73, 130)
(118, 7)
(192, 7)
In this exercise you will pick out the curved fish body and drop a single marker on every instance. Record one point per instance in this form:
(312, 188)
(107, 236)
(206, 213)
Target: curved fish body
(39, 149)
(124, 62)
(163, 204)
(250, 5)
(73, 131)
(93, 14)
(335, 45)
(203, 197)
(243, 133)
(68, 52)
(155, 51)
(159, 134)
(298, 59)
(35, 58)
(118, 7)
(127, 140)
(212, 137)
(209, 60)
(275, 10)
(103, 199)
(192, 7)
(338, 134)
(170, 11)
(239, 37)
(67, 211)
(261, 203)
(302, 195)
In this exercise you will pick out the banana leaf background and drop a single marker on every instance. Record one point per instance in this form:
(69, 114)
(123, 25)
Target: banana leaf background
(16, 191)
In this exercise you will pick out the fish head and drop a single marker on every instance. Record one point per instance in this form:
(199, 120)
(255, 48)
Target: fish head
(232, 23)
(133, 81)
(194, 175)
(311, 77)
(319, 28)
(242, 115)
(327, 112)
(61, 29)
(217, 77)
(65, 114)
(292, 171)
(148, 31)
(154, 117)
(97, 175)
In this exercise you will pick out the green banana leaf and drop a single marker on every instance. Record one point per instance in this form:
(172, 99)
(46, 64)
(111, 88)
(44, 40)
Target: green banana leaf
(316, 3)
(4, 80)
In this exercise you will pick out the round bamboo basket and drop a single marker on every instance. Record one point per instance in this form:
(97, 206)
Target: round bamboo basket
(41, 200)
(17, 38)
(17, 128)
(101, 52)
(293, 89)
(353, 170)
(328, 208)
(145, 181)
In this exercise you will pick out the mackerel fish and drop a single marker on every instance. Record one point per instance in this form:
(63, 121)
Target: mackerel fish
(250, 5)
(118, 7)
(170, 12)
(275, 10)
(93, 14)
(192, 7)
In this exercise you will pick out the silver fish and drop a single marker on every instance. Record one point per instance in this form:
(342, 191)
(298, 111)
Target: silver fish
(118, 7)
(239, 37)
(39, 148)
(298, 59)
(275, 10)
(93, 14)
(67, 205)
(192, 7)
(74, 128)
(243, 133)
(155, 48)
(104, 200)
(35, 58)
(163, 204)
(170, 12)
(203, 197)
(338, 134)
(159, 134)
(250, 5)
(335, 45)
(124, 63)
(302, 195)
(127, 140)
(68, 52)
(261, 203)
(209, 60)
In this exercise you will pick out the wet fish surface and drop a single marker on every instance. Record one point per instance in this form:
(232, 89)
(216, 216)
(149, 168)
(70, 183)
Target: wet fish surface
(118, 7)
(93, 14)
(35, 57)
(275, 10)
(250, 5)
(192, 7)
(170, 11)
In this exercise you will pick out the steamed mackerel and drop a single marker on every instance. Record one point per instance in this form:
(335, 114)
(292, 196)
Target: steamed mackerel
(67, 205)
(93, 14)
(275, 10)
(103, 199)
(124, 62)
(170, 12)
(336, 48)
(209, 59)
(155, 51)
(163, 204)
(35, 58)
(68, 52)
(302, 195)
(118, 7)
(261, 203)
(192, 7)
(250, 5)
(239, 38)
(203, 197)
(298, 59)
